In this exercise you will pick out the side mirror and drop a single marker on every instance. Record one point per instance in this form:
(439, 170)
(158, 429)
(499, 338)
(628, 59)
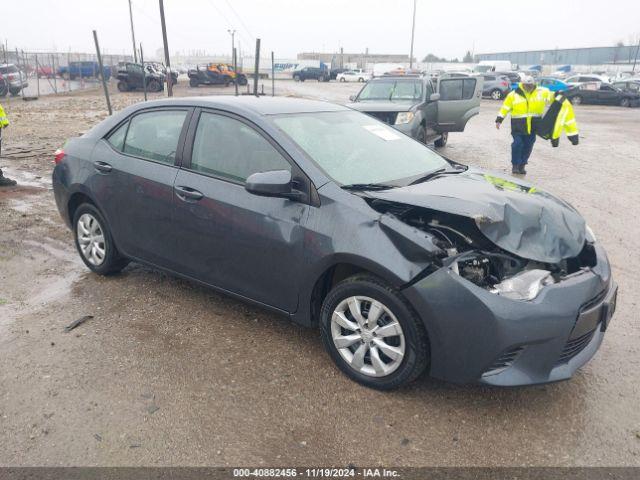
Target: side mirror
(275, 183)
(434, 97)
(352, 98)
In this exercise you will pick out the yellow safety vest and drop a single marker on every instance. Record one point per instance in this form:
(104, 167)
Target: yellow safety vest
(525, 108)
(4, 120)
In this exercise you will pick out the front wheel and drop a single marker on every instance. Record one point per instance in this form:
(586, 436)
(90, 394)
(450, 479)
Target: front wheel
(625, 102)
(342, 79)
(372, 333)
(442, 141)
(154, 86)
(193, 82)
(94, 241)
(361, 80)
(496, 94)
(577, 100)
(123, 86)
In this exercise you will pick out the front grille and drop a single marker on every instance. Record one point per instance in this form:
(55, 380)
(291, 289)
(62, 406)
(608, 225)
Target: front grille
(504, 361)
(575, 346)
(386, 117)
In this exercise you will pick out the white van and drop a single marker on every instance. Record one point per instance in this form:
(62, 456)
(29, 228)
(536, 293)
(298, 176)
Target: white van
(493, 66)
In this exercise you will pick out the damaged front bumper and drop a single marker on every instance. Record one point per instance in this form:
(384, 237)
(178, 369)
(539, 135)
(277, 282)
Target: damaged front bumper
(479, 337)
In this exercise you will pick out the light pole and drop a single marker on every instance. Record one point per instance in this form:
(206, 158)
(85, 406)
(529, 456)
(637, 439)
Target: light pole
(413, 29)
(233, 43)
(133, 35)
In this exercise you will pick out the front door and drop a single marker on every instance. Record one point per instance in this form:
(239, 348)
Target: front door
(133, 183)
(459, 101)
(135, 74)
(227, 237)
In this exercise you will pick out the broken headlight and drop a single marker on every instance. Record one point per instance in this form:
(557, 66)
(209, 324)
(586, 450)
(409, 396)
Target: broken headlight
(525, 285)
(590, 236)
(404, 117)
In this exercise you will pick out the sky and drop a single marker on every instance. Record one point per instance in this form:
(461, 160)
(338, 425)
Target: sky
(446, 29)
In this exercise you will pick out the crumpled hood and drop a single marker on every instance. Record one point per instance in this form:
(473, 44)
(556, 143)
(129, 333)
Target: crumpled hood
(381, 106)
(512, 214)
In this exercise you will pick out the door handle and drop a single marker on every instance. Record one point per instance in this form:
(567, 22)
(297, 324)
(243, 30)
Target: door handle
(188, 193)
(102, 166)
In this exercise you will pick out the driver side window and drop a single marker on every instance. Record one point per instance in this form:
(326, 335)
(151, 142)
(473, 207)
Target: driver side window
(228, 148)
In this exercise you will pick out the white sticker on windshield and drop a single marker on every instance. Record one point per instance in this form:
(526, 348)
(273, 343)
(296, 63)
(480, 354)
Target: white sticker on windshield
(382, 132)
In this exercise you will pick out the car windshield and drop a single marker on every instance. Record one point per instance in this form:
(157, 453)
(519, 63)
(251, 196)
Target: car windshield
(9, 69)
(353, 148)
(398, 90)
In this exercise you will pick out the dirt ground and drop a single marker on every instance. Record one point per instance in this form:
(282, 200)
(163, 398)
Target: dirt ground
(170, 373)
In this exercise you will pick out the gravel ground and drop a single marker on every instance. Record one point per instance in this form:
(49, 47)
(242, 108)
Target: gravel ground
(170, 373)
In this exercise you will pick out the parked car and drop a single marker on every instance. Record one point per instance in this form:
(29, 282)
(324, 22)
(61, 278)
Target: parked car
(205, 76)
(514, 78)
(131, 77)
(420, 108)
(553, 84)
(353, 76)
(333, 73)
(83, 70)
(311, 73)
(12, 80)
(605, 94)
(584, 78)
(495, 86)
(628, 85)
(162, 69)
(404, 260)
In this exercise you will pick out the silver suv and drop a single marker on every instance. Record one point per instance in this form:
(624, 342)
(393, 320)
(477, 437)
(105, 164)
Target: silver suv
(424, 109)
(496, 86)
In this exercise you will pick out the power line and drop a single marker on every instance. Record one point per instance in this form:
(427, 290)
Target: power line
(244, 25)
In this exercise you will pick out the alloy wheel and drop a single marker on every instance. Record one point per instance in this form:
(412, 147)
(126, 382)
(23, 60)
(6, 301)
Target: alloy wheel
(496, 95)
(367, 336)
(91, 239)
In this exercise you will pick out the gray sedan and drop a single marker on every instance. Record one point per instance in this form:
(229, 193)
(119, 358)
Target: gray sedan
(405, 261)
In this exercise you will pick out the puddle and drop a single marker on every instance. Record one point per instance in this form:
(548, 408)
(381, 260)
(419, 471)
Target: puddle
(27, 179)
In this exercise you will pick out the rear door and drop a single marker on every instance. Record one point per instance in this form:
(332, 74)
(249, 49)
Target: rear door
(459, 101)
(133, 182)
(227, 237)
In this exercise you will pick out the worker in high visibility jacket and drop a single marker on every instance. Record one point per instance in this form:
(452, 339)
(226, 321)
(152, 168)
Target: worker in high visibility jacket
(4, 123)
(525, 104)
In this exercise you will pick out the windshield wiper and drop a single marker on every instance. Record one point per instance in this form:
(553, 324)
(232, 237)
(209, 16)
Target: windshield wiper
(366, 186)
(428, 176)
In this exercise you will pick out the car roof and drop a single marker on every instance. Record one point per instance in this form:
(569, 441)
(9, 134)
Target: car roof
(248, 103)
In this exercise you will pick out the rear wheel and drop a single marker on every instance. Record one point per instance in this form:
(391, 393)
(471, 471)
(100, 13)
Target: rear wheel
(361, 80)
(442, 141)
(154, 86)
(577, 100)
(193, 82)
(123, 86)
(625, 102)
(496, 94)
(342, 79)
(296, 78)
(372, 333)
(94, 242)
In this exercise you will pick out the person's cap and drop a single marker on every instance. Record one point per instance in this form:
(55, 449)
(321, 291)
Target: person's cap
(528, 80)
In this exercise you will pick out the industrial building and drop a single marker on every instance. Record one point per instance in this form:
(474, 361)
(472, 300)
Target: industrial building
(572, 56)
(359, 60)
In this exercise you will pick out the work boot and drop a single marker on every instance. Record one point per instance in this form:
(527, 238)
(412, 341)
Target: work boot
(515, 170)
(521, 170)
(7, 182)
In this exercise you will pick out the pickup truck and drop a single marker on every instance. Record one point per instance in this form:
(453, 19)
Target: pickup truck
(83, 70)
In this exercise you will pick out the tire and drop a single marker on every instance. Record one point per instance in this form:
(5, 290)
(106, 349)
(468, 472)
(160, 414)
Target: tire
(193, 82)
(404, 333)
(442, 141)
(154, 86)
(496, 94)
(4, 90)
(577, 100)
(361, 80)
(342, 79)
(123, 86)
(14, 91)
(422, 135)
(105, 260)
(296, 78)
(625, 102)
(242, 81)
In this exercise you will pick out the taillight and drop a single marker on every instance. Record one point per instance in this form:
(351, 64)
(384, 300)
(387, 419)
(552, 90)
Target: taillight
(505, 84)
(58, 156)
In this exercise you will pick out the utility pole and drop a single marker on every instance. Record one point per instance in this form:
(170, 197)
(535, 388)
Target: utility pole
(413, 29)
(166, 49)
(104, 81)
(635, 60)
(133, 35)
(257, 68)
(233, 43)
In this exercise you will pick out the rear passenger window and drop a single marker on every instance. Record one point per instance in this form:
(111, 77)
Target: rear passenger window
(116, 139)
(227, 148)
(154, 135)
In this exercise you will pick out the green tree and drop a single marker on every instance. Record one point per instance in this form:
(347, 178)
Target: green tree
(430, 58)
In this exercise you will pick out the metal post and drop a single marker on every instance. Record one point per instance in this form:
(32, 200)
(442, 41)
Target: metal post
(635, 60)
(69, 71)
(235, 69)
(233, 43)
(273, 76)
(413, 29)
(20, 72)
(257, 67)
(166, 49)
(133, 35)
(37, 75)
(104, 82)
(53, 69)
(144, 74)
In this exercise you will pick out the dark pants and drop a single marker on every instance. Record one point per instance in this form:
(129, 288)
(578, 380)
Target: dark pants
(0, 150)
(521, 148)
